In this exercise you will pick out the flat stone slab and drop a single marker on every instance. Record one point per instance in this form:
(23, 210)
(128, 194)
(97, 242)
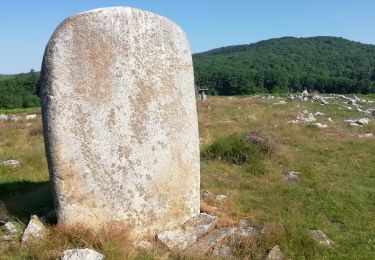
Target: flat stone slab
(208, 242)
(120, 121)
(182, 238)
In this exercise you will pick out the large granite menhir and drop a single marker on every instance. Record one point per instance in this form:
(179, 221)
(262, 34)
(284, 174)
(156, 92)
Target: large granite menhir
(120, 121)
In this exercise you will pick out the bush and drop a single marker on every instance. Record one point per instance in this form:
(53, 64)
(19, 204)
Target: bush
(239, 148)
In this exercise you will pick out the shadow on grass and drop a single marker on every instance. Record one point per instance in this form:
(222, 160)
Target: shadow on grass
(22, 199)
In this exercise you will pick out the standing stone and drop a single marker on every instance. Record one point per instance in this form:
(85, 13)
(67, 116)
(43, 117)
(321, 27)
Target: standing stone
(120, 121)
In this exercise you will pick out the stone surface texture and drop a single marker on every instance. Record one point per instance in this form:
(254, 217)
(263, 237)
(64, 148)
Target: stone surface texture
(35, 230)
(120, 121)
(81, 254)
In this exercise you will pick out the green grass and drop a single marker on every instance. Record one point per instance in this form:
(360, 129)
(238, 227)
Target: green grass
(335, 192)
(19, 110)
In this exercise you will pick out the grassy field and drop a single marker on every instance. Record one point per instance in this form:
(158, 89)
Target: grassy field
(335, 191)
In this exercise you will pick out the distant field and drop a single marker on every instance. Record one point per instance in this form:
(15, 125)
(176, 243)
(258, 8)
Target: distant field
(335, 191)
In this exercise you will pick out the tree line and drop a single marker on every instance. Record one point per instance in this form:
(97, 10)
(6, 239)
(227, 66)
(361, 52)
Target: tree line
(19, 91)
(323, 64)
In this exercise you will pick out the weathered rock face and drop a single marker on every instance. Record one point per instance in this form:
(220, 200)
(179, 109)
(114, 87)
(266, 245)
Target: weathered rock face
(120, 121)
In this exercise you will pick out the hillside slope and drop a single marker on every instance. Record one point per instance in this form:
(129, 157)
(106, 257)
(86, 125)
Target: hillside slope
(326, 64)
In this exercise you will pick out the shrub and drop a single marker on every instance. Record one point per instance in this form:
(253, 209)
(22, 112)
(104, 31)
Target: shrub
(239, 148)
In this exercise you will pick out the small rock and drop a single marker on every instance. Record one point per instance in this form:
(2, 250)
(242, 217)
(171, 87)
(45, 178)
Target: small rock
(321, 238)
(10, 228)
(220, 198)
(29, 117)
(14, 117)
(329, 119)
(368, 135)
(370, 112)
(244, 231)
(223, 251)
(293, 122)
(81, 254)
(187, 235)
(319, 125)
(11, 163)
(143, 245)
(275, 254)
(319, 114)
(291, 176)
(250, 117)
(363, 121)
(355, 124)
(34, 230)
(3, 117)
(310, 118)
(281, 102)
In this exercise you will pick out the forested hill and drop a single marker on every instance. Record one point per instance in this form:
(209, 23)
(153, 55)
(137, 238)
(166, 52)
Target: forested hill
(325, 64)
(17, 91)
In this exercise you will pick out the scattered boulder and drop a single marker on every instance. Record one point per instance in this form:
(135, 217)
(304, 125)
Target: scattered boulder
(244, 230)
(81, 254)
(281, 102)
(221, 198)
(357, 122)
(305, 95)
(11, 163)
(185, 236)
(368, 135)
(275, 254)
(310, 118)
(250, 117)
(319, 125)
(370, 112)
(291, 176)
(14, 117)
(320, 99)
(30, 117)
(34, 230)
(363, 121)
(3, 117)
(319, 114)
(321, 238)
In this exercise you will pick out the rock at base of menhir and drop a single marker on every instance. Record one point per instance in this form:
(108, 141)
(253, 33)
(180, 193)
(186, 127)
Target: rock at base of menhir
(185, 236)
(120, 121)
(81, 254)
(34, 231)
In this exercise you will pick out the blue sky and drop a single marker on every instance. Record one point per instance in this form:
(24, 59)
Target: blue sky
(26, 25)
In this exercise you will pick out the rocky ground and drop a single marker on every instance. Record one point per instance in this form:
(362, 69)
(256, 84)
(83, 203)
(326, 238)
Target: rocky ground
(311, 197)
